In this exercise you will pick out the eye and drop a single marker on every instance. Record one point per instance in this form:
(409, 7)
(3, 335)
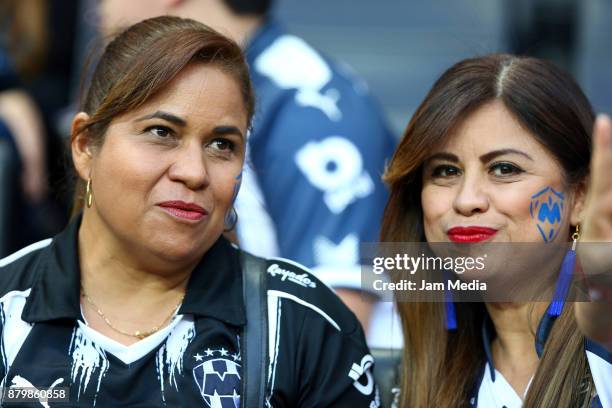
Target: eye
(445, 170)
(505, 169)
(159, 131)
(223, 145)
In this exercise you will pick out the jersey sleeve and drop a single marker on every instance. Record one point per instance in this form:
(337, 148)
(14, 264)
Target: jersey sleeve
(600, 364)
(336, 368)
(318, 162)
(318, 353)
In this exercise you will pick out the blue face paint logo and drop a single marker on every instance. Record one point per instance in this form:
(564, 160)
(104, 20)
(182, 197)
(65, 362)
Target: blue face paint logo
(219, 382)
(231, 217)
(546, 207)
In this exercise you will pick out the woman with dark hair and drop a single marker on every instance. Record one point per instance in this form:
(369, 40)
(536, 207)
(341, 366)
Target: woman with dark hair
(141, 301)
(492, 134)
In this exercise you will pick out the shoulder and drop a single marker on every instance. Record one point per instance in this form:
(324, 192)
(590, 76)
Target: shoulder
(290, 281)
(311, 332)
(17, 270)
(293, 65)
(297, 84)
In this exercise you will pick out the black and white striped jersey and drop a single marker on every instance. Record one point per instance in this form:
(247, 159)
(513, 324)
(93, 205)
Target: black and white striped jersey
(317, 351)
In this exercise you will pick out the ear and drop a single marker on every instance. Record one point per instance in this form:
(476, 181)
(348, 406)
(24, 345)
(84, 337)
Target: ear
(578, 202)
(80, 146)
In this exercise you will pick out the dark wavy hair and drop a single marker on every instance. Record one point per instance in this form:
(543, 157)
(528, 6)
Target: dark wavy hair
(440, 367)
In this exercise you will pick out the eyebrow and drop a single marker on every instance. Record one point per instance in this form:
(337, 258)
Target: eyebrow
(485, 158)
(227, 130)
(165, 116)
(443, 156)
(219, 130)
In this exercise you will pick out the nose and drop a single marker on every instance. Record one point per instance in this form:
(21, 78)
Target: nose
(190, 167)
(471, 197)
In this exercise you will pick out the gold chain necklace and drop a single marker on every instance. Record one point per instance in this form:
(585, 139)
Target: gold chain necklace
(138, 334)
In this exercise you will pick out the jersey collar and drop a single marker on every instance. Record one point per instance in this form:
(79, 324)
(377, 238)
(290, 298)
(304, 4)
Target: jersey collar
(488, 334)
(214, 289)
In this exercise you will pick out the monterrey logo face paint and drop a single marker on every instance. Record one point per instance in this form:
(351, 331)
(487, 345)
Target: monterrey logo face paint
(237, 185)
(546, 208)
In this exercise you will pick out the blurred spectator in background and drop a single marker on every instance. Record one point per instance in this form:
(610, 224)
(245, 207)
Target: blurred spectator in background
(545, 29)
(23, 125)
(317, 148)
(36, 43)
(22, 135)
(8, 159)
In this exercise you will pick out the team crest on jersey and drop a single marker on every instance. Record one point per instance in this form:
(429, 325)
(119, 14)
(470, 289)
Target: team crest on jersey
(218, 379)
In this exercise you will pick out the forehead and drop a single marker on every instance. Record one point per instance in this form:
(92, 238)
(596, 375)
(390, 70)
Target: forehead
(199, 92)
(491, 127)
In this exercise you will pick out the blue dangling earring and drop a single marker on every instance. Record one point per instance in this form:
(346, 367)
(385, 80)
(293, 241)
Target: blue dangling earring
(449, 308)
(565, 278)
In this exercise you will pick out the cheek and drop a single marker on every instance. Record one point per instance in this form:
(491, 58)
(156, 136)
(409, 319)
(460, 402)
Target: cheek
(512, 203)
(126, 173)
(225, 181)
(534, 214)
(436, 203)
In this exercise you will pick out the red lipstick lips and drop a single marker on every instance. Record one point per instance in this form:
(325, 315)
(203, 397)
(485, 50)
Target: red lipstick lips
(181, 209)
(470, 234)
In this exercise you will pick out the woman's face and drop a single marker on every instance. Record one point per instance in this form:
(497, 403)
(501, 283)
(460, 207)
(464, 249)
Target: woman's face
(492, 181)
(167, 172)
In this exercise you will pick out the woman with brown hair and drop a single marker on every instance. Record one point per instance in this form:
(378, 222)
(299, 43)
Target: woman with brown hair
(141, 301)
(492, 134)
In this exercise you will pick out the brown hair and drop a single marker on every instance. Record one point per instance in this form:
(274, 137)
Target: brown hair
(142, 60)
(440, 367)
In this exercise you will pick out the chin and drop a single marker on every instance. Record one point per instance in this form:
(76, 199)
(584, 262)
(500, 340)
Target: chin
(180, 246)
(178, 252)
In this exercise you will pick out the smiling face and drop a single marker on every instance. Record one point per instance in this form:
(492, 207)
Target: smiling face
(164, 178)
(493, 181)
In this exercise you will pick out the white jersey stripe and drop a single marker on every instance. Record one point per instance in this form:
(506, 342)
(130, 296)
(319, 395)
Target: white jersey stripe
(14, 330)
(274, 316)
(24, 251)
(601, 371)
(296, 299)
(273, 320)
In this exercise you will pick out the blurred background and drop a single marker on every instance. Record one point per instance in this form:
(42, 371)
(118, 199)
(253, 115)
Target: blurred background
(398, 47)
